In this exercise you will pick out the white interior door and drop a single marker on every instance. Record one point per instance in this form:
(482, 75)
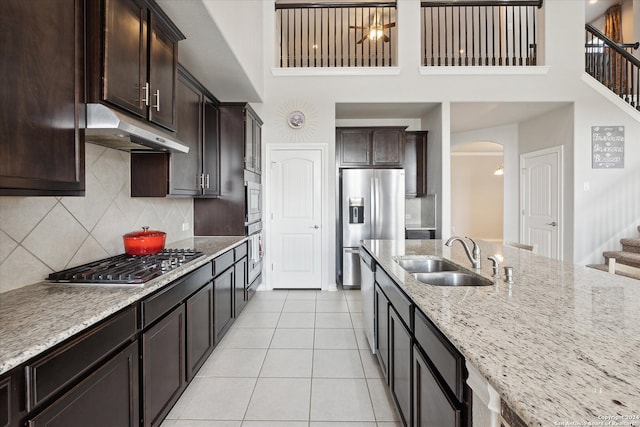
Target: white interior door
(296, 220)
(541, 201)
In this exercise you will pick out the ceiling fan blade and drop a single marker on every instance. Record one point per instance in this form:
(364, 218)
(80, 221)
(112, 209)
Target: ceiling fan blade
(390, 25)
(385, 38)
(366, 36)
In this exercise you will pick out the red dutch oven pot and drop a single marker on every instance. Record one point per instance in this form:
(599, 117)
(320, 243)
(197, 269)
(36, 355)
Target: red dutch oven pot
(144, 242)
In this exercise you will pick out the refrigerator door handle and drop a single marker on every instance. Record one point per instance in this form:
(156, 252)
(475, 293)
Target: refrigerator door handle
(376, 186)
(372, 207)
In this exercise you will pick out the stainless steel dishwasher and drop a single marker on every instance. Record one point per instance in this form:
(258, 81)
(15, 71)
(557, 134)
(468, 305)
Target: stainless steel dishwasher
(367, 269)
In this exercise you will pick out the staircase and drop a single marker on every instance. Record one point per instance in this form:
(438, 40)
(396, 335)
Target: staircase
(625, 262)
(613, 65)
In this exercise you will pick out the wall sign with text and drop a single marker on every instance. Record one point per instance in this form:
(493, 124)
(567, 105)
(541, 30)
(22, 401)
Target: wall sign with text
(607, 147)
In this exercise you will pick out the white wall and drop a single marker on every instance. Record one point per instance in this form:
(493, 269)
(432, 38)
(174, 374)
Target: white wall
(317, 92)
(476, 195)
(507, 136)
(550, 130)
(438, 166)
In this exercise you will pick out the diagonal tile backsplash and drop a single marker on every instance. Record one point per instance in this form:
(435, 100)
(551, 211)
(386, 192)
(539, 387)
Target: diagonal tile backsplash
(39, 235)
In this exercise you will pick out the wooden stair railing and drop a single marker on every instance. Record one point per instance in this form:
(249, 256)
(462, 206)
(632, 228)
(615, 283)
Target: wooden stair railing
(613, 65)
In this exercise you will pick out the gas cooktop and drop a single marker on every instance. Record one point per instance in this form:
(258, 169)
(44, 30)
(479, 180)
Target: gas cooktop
(126, 269)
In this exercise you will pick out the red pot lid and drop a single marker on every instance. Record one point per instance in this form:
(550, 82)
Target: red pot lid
(144, 233)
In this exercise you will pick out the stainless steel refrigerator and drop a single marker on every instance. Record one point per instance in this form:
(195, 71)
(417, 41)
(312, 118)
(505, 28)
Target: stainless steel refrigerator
(372, 207)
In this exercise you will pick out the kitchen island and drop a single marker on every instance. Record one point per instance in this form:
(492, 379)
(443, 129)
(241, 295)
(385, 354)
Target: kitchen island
(36, 318)
(560, 345)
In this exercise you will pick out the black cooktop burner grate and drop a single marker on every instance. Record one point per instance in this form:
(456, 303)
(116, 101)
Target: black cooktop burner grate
(126, 269)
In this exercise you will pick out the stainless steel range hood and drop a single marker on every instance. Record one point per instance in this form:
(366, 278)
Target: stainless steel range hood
(113, 129)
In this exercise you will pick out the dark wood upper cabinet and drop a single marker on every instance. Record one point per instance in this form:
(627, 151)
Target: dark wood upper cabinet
(210, 149)
(354, 147)
(41, 107)
(387, 147)
(370, 147)
(415, 163)
(163, 63)
(252, 141)
(195, 173)
(133, 58)
(226, 215)
(125, 55)
(184, 175)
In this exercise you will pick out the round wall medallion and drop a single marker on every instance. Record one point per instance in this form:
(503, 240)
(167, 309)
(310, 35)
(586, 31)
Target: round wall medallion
(295, 119)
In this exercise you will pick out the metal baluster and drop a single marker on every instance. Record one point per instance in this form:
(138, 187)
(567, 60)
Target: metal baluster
(309, 45)
(513, 34)
(486, 36)
(520, 32)
(528, 61)
(466, 36)
(473, 36)
(348, 36)
(336, 53)
(432, 38)
(493, 36)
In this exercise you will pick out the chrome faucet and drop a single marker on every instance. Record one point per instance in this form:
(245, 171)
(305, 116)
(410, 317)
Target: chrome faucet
(473, 257)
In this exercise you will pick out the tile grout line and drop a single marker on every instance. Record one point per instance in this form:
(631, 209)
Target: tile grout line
(244, 415)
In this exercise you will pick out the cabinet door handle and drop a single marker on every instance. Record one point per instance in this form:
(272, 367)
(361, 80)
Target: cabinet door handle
(157, 95)
(202, 180)
(206, 181)
(145, 88)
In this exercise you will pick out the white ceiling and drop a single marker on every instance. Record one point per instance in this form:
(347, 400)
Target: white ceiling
(383, 110)
(206, 54)
(465, 116)
(595, 9)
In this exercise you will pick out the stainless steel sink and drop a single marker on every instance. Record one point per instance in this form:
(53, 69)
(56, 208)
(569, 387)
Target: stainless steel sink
(452, 278)
(425, 265)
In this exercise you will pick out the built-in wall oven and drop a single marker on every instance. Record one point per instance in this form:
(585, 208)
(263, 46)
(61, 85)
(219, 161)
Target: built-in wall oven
(253, 194)
(253, 201)
(254, 262)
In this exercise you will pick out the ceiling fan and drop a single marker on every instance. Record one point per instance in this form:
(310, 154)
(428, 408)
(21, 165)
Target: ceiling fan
(374, 31)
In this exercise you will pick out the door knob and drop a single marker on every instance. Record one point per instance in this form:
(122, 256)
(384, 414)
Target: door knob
(315, 226)
(553, 224)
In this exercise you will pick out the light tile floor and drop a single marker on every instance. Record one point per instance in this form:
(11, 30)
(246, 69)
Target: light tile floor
(291, 359)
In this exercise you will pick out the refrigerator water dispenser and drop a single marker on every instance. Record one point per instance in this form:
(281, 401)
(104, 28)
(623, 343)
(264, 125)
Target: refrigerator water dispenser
(356, 210)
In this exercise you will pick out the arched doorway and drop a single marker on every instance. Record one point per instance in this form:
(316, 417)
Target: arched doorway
(477, 190)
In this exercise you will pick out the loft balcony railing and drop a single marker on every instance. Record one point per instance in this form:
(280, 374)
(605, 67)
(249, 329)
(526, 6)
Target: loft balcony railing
(336, 34)
(479, 33)
(613, 65)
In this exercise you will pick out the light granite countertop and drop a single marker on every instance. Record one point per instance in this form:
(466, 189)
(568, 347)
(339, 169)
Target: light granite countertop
(37, 317)
(561, 345)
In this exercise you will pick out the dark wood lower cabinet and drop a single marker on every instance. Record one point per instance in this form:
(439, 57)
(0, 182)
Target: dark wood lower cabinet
(106, 398)
(432, 406)
(6, 401)
(163, 360)
(130, 369)
(199, 329)
(400, 367)
(223, 303)
(241, 296)
(382, 330)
